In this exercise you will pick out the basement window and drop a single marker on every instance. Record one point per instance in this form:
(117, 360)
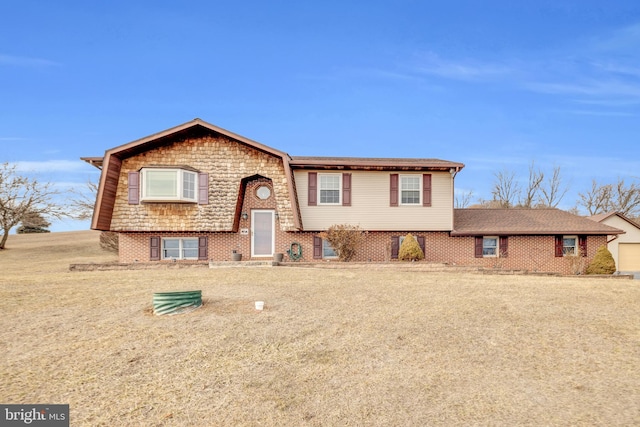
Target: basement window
(168, 185)
(179, 248)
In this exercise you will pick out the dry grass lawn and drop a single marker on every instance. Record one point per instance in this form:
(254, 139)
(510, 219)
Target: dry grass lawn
(332, 347)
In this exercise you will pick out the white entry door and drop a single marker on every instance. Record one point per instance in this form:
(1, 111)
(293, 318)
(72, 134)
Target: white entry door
(262, 233)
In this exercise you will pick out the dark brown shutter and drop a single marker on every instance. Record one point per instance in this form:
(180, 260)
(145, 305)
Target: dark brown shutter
(420, 240)
(203, 248)
(313, 189)
(504, 247)
(478, 247)
(317, 247)
(393, 192)
(395, 246)
(203, 188)
(346, 189)
(558, 244)
(426, 189)
(134, 188)
(154, 248)
(582, 244)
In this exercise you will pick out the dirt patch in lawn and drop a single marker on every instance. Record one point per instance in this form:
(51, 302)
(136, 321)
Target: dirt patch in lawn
(332, 346)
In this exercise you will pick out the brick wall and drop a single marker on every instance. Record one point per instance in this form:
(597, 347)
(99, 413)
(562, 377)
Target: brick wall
(531, 253)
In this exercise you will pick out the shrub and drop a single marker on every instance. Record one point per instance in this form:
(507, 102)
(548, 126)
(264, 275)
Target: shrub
(602, 263)
(109, 241)
(344, 239)
(410, 249)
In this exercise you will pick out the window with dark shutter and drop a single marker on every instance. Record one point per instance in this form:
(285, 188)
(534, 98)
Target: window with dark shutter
(426, 189)
(154, 248)
(582, 243)
(558, 246)
(393, 192)
(203, 248)
(479, 246)
(395, 246)
(346, 189)
(312, 199)
(133, 185)
(317, 247)
(504, 246)
(203, 188)
(420, 240)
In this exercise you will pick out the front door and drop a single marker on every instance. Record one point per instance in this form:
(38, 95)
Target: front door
(262, 233)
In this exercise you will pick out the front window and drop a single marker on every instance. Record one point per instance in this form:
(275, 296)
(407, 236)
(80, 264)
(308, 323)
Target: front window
(168, 185)
(569, 245)
(179, 248)
(329, 189)
(410, 190)
(327, 250)
(489, 246)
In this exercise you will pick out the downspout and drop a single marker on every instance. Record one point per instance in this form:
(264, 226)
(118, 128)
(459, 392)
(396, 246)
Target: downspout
(453, 172)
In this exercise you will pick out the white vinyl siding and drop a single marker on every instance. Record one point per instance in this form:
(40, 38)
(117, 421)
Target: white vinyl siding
(370, 205)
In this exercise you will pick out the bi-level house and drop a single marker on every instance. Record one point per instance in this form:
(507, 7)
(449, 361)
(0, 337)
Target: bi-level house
(198, 192)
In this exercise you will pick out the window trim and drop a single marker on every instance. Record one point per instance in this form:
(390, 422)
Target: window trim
(400, 190)
(319, 190)
(180, 248)
(496, 248)
(179, 187)
(576, 246)
(326, 243)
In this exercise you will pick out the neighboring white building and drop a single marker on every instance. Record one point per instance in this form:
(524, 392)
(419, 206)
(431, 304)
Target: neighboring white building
(625, 248)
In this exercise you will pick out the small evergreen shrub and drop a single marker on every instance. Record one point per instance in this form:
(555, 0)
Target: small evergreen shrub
(602, 263)
(410, 249)
(344, 239)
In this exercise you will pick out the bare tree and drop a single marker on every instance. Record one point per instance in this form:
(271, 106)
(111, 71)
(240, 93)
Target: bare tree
(83, 203)
(21, 196)
(530, 194)
(505, 189)
(618, 197)
(597, 199)
(626, 198)
(33, 223)
(463, 199)
(552, 191)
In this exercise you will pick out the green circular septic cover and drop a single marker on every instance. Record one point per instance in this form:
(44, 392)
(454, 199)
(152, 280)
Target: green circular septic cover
(167, 303)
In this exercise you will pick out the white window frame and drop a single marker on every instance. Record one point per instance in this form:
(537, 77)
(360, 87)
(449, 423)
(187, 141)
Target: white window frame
(180, 196)
(574, 248)
(327, 245)
(339, 176)
(181, 248)
(485, 247)
(400, 189)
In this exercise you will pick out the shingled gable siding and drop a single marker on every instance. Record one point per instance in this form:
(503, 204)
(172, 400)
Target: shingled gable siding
(226, 161)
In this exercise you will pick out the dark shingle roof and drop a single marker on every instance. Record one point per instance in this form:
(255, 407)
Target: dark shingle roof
(468, 222)
(372, 163)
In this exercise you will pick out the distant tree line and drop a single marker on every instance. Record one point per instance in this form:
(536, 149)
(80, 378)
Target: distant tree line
(542, 190)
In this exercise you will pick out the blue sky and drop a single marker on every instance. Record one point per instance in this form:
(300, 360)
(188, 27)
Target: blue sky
(492, 84)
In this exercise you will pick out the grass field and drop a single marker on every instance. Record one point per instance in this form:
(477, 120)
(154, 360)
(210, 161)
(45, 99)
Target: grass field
(333, 347)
